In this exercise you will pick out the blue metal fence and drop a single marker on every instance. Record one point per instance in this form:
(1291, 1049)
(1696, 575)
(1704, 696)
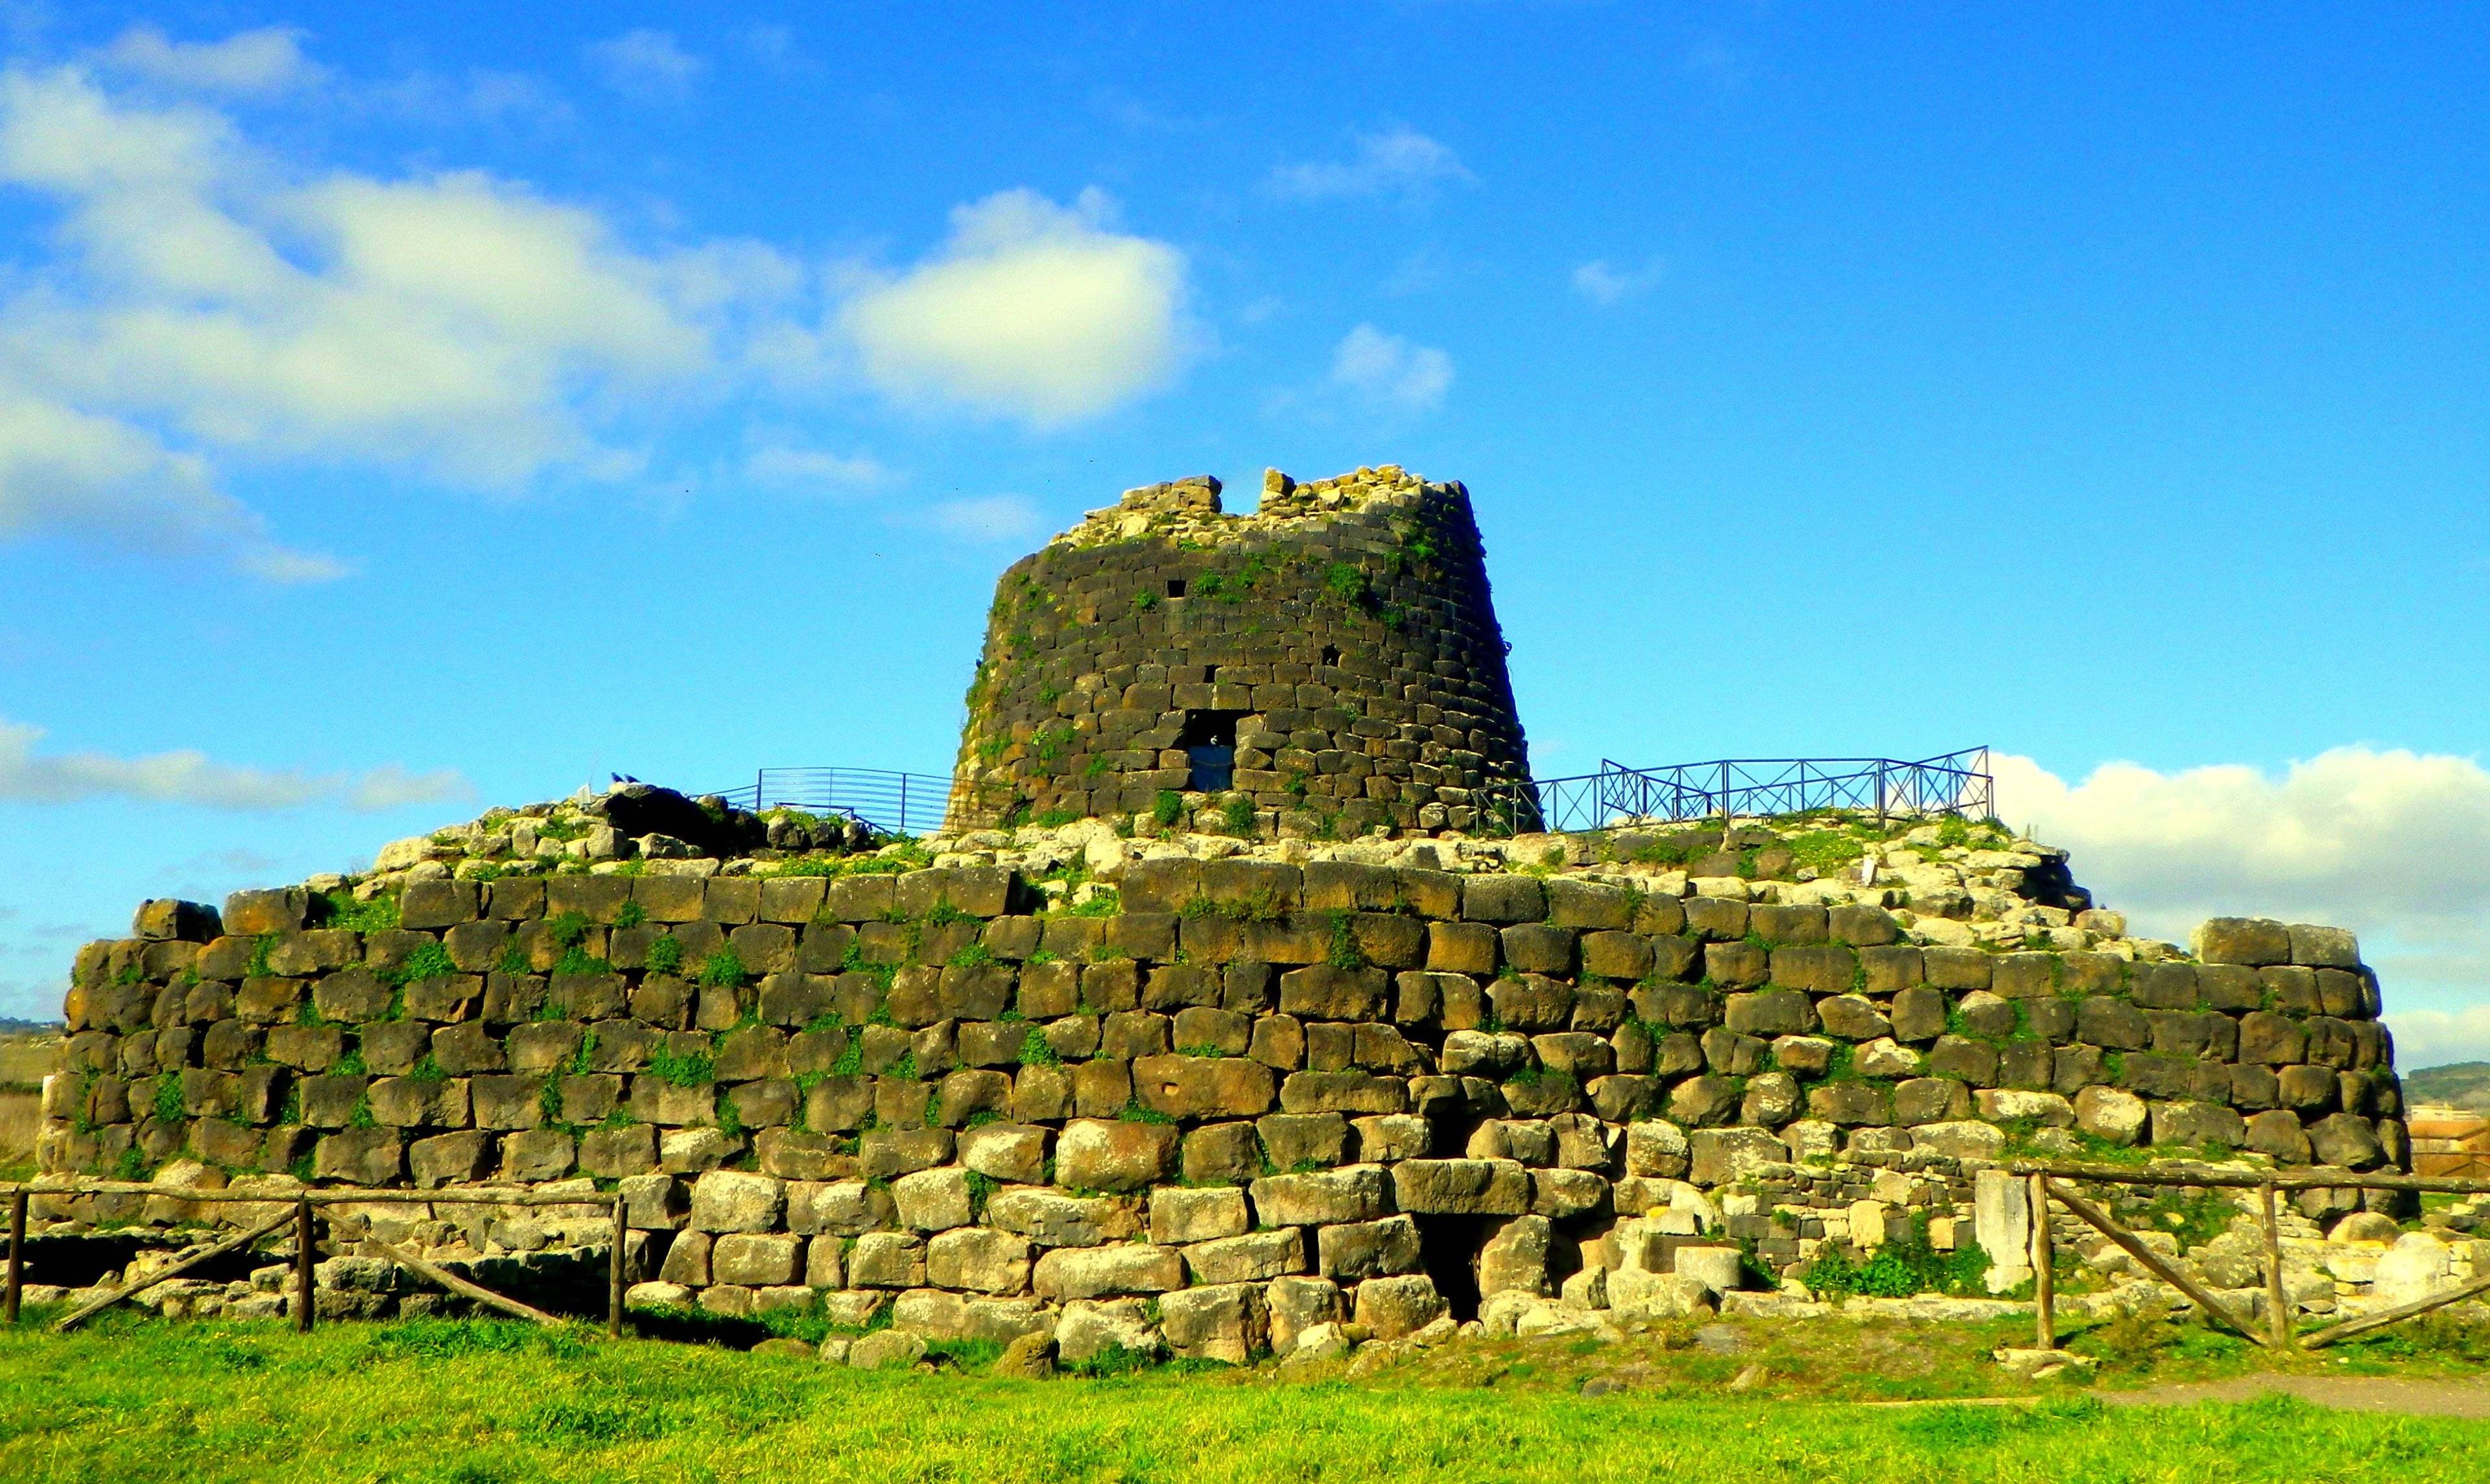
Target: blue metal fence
(1887, 788)
(891, 803)
(1956, 782)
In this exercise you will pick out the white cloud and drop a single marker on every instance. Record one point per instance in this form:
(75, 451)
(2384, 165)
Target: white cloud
(190, 777)
(1391, 372)
(207, 303)
(266, 60)
(647, 64)
(391, 786)
(811, 471)
(2390, 844)
(1032, 310)
(992, 518)
(1398, 162)
(69, 472)
(1602, 284)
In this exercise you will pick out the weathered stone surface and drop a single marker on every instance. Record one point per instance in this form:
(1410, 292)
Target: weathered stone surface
(2248, 940)
(1229, 1323)
(754, 1259)
(1350, 1252)
(2197, 1122)
(887, 1260)
(1357, 1192)
(1114, 1154)
(1123, 1268)
(1399, 1306)
(1656, 1147)
(2345, 1139)
(1054, 1219)
(1195, 1087)
(1012, 1153)
(1297, 1305)
(1515, 1258)
(2110, 1115)
(978, 1258)
(1253, 1257)
(1088, 1329)
(1178, 1215)
(1460, 1187)
(1723, 1157)
(930, 1200)
(731, 1201)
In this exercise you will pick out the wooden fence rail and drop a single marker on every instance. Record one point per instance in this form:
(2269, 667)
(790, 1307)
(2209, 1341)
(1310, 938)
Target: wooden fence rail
(2050, 1181)
(300, 1208)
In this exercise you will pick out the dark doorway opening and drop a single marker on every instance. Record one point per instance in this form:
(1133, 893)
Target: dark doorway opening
(1331, 654)
(1448, 1249)
(1209, 743)
(1175, 586)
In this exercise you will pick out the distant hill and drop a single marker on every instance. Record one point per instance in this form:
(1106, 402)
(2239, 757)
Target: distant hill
(9, 1027)
(2458, 1085)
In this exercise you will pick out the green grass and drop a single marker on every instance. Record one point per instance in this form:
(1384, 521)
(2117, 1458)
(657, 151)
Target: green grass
(426, 1401)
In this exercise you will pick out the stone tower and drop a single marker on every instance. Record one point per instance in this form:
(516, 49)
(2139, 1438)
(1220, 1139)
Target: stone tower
(1333, 657)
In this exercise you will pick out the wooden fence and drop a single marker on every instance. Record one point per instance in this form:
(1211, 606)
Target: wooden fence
(2050, 1181)
(304, 1205)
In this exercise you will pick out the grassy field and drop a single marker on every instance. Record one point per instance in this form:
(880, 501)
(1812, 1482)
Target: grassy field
(142, 1400)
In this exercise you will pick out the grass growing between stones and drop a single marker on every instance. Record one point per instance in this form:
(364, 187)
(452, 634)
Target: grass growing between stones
(423, 1401)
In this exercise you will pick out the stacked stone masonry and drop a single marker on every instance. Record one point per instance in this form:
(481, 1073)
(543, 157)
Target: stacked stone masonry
(1247, 1097)
(1339, 649)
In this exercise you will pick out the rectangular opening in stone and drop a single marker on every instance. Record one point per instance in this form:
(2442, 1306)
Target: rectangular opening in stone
(1209, 743)
(1448, 1250)
(1175, 586)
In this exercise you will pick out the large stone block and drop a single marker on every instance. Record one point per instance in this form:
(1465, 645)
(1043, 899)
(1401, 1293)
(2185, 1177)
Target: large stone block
(2198, 1123)
(1193, 1087)
(980, 1258)
(1343, 1091)
(1355, 1251)
(1123, 1268)
(1179, 1215)
(1394, 1308)
(1358, 1193)
(1253, 1257)
(2248, 940)
(1461, 1187)
(1229, 1323)
(1054, 1219)
(755, 1259)
(933, 1200)
(731, 1201)
(1114, 1155)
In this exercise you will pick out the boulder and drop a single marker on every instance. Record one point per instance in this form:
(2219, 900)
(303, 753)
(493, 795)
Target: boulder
(1397, 1306)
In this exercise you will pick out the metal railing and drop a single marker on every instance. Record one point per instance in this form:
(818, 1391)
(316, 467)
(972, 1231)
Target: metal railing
(1953, 784)
(890, 803)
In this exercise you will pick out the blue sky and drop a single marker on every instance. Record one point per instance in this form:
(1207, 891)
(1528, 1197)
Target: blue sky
(411, 415)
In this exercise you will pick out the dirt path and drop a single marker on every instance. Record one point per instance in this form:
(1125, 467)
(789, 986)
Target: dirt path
(2416, 1397)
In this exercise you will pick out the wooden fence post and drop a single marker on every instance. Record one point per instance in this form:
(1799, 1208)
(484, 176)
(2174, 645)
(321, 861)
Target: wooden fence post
(2044, 1275)
(2277, 1302)
(303, 1265)
(614, 1293)
(17, 1253)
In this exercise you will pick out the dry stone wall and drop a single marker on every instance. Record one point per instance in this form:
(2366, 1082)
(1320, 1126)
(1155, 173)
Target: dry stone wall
(1192, 1095)
(1339, 645)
